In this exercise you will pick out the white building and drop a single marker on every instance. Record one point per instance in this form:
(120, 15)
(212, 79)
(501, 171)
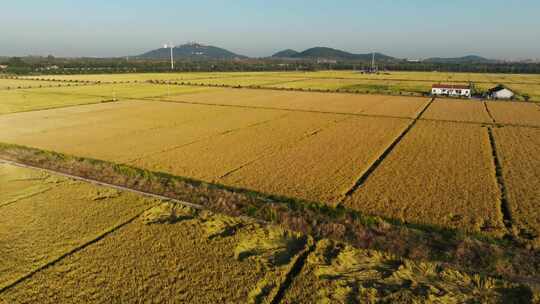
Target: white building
(500, 92)
(454, 90)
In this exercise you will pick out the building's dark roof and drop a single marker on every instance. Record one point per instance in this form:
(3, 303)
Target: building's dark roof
(451, 86)
(498, 88)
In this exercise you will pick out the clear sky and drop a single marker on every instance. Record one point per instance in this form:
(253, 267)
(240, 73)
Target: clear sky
(501, 29)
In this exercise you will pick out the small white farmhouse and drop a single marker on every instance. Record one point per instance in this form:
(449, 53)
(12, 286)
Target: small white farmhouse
(454, 90)
(500, 92)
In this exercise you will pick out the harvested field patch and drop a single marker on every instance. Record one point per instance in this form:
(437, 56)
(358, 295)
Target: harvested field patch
(456, 110)
(40, 228)
(337, 273)
(440, 174)
(324, 166)
(518, 113)
(219, 155)
(198, 257)
(519, 153)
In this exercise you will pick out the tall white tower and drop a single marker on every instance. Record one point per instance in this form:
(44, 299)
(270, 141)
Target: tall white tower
(171, 46)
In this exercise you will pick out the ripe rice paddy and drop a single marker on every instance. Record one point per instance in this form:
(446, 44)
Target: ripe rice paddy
(45, 217)
(519, 153)
(321, 167)
(517, 113)
(336, 273)
(440, 174)
(103, 245)
(69, 241)
(453, 110)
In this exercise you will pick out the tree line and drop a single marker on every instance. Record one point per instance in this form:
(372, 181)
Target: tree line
(52, 65)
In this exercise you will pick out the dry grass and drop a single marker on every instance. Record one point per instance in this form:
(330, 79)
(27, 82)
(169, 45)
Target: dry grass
(455, 110)
(40, 227)
(337, 273)
(441, 174)
(518, 113)
(324, 166)
(519, 153)
(216, 156)
(171, 254)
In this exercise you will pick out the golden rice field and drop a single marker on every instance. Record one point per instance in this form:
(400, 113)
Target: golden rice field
(440, 174)
(515, 113)
(324, 166)
(45, 217)
(337, 273)
(405, 83)
(305, 145)
(406, 107)
(81, 243)
(456, 110)
(519, 152)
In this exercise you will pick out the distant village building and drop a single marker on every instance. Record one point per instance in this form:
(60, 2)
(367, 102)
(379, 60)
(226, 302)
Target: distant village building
(500, 92)
(3, 67)
(453, 90)
(325, 60)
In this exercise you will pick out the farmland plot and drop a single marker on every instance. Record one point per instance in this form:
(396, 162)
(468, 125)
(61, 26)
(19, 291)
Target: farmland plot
(245, 81)
(171, 254)
(122, 91)
(135, 131)
(338, 273)
(38, 227)
(198, 125)
(518, 113)
(519, 153)
(454, 110)
(304, 101)
(398, 107)
(16, 183)
(212, 158)
(440, 174)
(324, 166)
(12, 101)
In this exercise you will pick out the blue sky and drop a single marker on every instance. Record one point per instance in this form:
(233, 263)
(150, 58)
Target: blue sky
(401, 28)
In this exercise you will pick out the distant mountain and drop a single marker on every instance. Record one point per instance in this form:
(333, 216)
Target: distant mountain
(457, 60)
(288, 53)
(330, 53)
(193, 51)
